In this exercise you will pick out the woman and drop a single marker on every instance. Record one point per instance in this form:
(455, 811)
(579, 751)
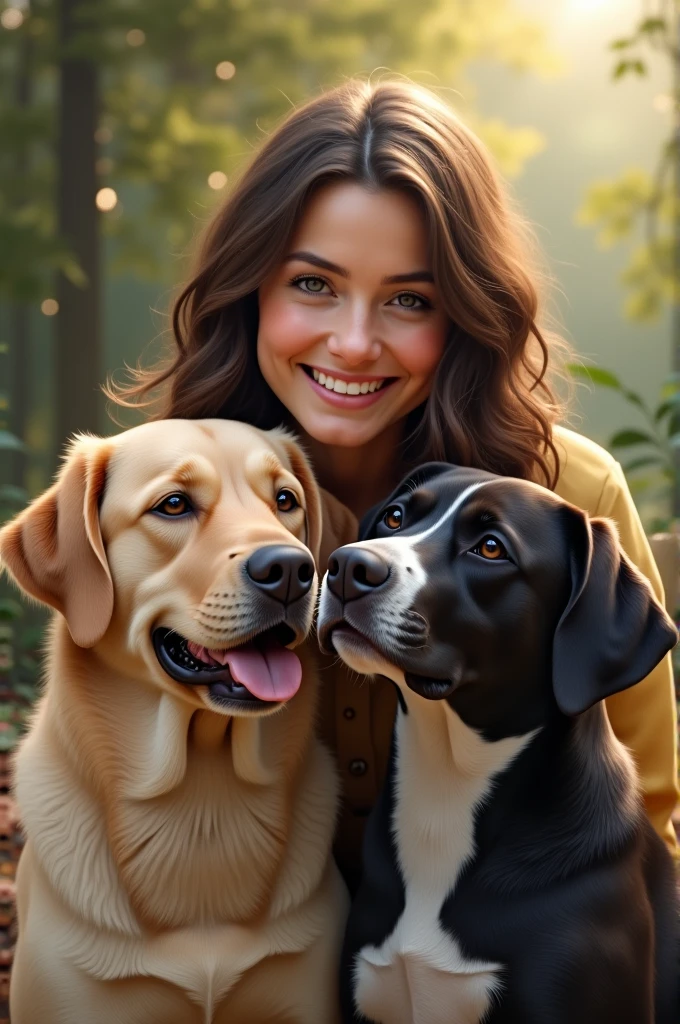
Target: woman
(367, 284)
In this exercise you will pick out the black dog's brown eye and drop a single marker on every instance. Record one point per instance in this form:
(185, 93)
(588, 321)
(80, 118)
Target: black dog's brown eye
(286, 500)
(491, 548)
(393, 518)
(174, 505)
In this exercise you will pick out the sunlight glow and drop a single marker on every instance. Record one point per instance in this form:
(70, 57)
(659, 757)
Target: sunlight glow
(588, 6)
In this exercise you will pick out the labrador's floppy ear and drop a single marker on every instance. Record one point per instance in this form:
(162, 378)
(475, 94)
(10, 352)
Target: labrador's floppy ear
(416, 478)
(301, 468)
(54, 548)
(613, 631)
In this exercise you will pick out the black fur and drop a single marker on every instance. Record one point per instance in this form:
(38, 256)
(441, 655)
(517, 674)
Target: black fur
(569, 887)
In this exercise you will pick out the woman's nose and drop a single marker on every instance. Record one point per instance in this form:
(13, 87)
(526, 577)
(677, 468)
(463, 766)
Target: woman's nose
(356, 342)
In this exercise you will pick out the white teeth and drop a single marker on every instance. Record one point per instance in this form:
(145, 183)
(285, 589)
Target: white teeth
(343, 387)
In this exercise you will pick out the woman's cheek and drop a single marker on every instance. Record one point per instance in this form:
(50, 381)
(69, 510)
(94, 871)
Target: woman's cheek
(421, 352)
(282, 329)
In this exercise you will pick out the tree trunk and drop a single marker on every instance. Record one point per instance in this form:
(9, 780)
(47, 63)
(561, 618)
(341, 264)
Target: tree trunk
(19, 396)
(77, 363)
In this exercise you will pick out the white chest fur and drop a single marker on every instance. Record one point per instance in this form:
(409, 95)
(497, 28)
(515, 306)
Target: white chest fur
(444, 771)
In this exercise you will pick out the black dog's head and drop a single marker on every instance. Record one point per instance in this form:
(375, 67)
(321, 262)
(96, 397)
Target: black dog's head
(494, 594)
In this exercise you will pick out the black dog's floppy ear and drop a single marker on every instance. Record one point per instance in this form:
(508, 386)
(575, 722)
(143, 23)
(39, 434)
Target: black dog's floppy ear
(416, 478)
(613, 631)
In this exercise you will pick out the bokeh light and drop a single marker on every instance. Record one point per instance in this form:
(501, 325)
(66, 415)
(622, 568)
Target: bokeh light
(225, 70)
(11, 18)
(49, 307)
(106, 199)
(217, 180)
(135, 37)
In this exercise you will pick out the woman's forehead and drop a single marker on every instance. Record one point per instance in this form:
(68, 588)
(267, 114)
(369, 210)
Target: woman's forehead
(348, 223)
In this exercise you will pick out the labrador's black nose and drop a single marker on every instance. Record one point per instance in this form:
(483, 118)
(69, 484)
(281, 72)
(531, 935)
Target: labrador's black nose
(282, 571)
(355, 571)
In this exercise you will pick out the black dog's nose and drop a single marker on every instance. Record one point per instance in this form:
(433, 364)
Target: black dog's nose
(353, 572)
(282, 571)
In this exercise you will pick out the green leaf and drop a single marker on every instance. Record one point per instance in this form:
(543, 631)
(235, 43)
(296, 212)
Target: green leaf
(8, 442)
(10, 609)
(621, 44)
(624, 66)
(664, 408)
(644, 460)
(652, 25)
(624, 438)
(635, 399)
(595, 375)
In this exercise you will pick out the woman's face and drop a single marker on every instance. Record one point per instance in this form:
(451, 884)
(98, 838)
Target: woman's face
(351, 323)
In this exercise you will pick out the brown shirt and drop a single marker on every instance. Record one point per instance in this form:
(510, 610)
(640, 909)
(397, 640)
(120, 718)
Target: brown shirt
(356, 715)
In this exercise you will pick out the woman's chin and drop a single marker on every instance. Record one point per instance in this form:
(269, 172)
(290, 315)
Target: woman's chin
(337, 432)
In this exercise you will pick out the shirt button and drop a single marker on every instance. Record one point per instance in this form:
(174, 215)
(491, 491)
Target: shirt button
(358, 767)
(349, 713)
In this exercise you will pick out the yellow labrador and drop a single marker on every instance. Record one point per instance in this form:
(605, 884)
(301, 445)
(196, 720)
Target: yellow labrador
(178, 809)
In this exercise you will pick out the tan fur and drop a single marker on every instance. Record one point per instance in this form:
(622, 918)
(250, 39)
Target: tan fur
(177, 866)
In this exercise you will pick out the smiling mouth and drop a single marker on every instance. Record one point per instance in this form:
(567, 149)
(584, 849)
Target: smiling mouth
(352, 388)
(262, 672)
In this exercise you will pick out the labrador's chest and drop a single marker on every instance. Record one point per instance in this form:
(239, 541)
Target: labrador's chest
(208, 851)
(419, 974)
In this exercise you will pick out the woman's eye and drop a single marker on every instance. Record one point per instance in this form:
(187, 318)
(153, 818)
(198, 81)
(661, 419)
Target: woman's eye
(491, 549)
(393, 518)
(173, 506)
(286, 501)
(311, 285)
(408, 300)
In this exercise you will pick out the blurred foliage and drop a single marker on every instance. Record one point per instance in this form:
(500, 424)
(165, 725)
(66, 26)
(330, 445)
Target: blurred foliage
(647, 452)
(168, 120)
(640, 207)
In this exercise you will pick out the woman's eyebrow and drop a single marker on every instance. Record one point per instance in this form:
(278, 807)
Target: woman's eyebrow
(333, 268)
(317, 261)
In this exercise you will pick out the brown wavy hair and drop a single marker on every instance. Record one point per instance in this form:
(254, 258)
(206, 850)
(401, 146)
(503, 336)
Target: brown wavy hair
(491, 404)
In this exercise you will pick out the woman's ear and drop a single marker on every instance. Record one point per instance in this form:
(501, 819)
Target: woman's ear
(613, 631)
(54, 548)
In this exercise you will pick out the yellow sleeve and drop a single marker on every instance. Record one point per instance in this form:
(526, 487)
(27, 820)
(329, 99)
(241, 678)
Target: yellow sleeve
(644, 717)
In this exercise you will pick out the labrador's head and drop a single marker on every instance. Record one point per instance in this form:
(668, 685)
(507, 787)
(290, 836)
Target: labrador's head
(182, 551)
(495, 595)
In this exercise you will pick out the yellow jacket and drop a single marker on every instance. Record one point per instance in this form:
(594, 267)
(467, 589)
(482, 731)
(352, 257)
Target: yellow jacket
(357, 716)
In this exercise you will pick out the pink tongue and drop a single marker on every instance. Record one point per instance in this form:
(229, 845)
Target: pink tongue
(273, 673)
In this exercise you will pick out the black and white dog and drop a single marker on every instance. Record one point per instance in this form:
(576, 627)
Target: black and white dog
(510, 875)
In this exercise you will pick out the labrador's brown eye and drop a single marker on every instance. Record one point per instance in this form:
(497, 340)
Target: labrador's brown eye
(174, 505)
(394, 518)
(491, 549)
(286, 500)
